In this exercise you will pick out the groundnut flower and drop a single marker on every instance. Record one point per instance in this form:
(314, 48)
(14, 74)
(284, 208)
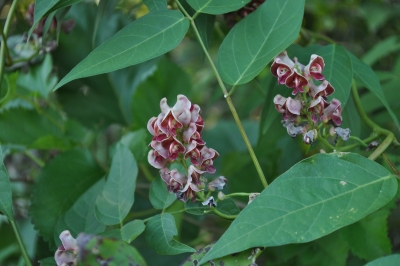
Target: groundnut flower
(66, 253)
(333, 113)
(210, 202)
(217, 183)
(189, 191)
(282, 67)
(344, 133)
(315, 67)
(296, 81)
(318, 106)
(324, 89)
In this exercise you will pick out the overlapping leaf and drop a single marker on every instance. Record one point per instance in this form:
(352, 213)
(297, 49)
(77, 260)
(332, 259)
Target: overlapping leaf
(59, 184)
(132, 230)
(146, 38)
(5, 191)
(160, 197)
(314, 198)
(338, 70)
(117, 197)
(217, 7)
(255, 40)
(154, 5)
(367, 77)
(392, 260)
(159, 233)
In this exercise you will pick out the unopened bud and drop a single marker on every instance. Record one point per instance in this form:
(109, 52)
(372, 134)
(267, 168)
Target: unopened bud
(221, 195)
(252, 197)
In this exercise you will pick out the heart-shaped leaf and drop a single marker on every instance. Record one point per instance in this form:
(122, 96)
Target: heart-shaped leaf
(117, 197)
(260, 36)
(146, 38)
(314, 198)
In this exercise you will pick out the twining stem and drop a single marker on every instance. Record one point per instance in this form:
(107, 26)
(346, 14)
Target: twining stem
(5, 34)
(240, 194)
(228, 99)
(376, 128)
(35, 159)
(20, 243)
(223, 215)
(391, 165)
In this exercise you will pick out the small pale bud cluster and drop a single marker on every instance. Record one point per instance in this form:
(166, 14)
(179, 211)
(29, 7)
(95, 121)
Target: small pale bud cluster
(311, 102)
(177, 137)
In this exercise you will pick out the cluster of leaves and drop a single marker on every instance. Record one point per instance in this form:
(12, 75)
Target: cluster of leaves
(80, 151)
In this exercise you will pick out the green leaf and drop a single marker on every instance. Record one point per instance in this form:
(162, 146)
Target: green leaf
(368, 238)
(367, 77)
(217, 7)
(136, 142)
(160, 230)
(39, 78)
(314, 198)
(81, 216)
(146, 38)
(196, 208)
(381, 49)
(330, 250)
(226, 206)
(243, 258)
(338, 70)
(160, 197)
(146, 100)
(114, 252)
(34, 127)
(59, 184)
(154, 5)
(114, 233)
(5, 191)
(132, 230)
(45, 7)
(117, 197)
(256, 39)
(392, 260)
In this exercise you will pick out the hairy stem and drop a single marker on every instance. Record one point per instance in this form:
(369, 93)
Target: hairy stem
(228, 99)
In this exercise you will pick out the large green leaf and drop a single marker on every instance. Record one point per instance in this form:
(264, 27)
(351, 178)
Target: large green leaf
(368, 238)
(146, 38)
(338, 70)
(5, 191)
(114, 252)
(314, 198)
(392, 260)
(160, 230)
(59, 184)
(217, 7)
(367, 77)
(81, 217)
(154, 5)
(160, 197)
(117, 197)
(260, 36)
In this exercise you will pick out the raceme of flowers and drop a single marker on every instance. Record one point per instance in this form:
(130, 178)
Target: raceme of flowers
(310, 106)
(177, 138)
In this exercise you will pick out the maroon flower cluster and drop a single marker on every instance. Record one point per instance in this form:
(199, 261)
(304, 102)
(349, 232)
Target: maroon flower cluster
(310, 101)
(177, 137)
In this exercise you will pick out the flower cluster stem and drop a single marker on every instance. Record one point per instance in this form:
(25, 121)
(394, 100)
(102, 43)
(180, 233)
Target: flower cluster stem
(20, 243)
(227, 97)
(390, 139)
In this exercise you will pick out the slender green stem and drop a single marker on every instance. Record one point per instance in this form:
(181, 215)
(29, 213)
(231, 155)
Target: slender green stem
(35, 159)
(21, 244)
(223, 215)
(228, 99)
(382, 147)
(239, 194)
(5, 34)
(7, 52)
(232, 90)
(349, 147)
(143, 167)
(359, 140)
